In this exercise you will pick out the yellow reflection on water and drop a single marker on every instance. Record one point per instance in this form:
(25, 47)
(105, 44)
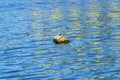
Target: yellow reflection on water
(45, 65)
(36, 14)
(57, 79)
(37, 52)
(114, 15)
(98, 61)
(103, 77)
(117, 37)
(117, 65)
(75, 23)
(114, 5)
(117, 47)
(56, 16)
(78, 59)
(85, 78)
(95, 43)
(93, 14)
(95, 25)
(67, 61)
(74, 9)
(80, 54)
(58, 62)
(96, 34)
(78, 50)
(98, 49)
(72, 15)
(100, 56)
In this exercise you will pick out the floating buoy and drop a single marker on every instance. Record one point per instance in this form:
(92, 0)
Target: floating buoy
(61, 39)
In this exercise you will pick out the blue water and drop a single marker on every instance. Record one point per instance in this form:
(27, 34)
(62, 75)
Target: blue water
(27, 50)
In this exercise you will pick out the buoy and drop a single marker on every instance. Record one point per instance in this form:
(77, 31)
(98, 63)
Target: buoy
(59, 39)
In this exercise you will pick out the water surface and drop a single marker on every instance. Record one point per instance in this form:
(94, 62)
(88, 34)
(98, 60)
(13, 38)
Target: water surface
(27, 51)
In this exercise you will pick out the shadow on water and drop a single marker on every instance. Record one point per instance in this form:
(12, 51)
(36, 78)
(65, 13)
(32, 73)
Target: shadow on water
(27, 49)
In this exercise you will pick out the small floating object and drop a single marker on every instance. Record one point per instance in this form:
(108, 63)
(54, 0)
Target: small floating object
(61, 39)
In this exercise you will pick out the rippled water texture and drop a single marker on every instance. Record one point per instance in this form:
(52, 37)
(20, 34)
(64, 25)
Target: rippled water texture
(27, 51)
